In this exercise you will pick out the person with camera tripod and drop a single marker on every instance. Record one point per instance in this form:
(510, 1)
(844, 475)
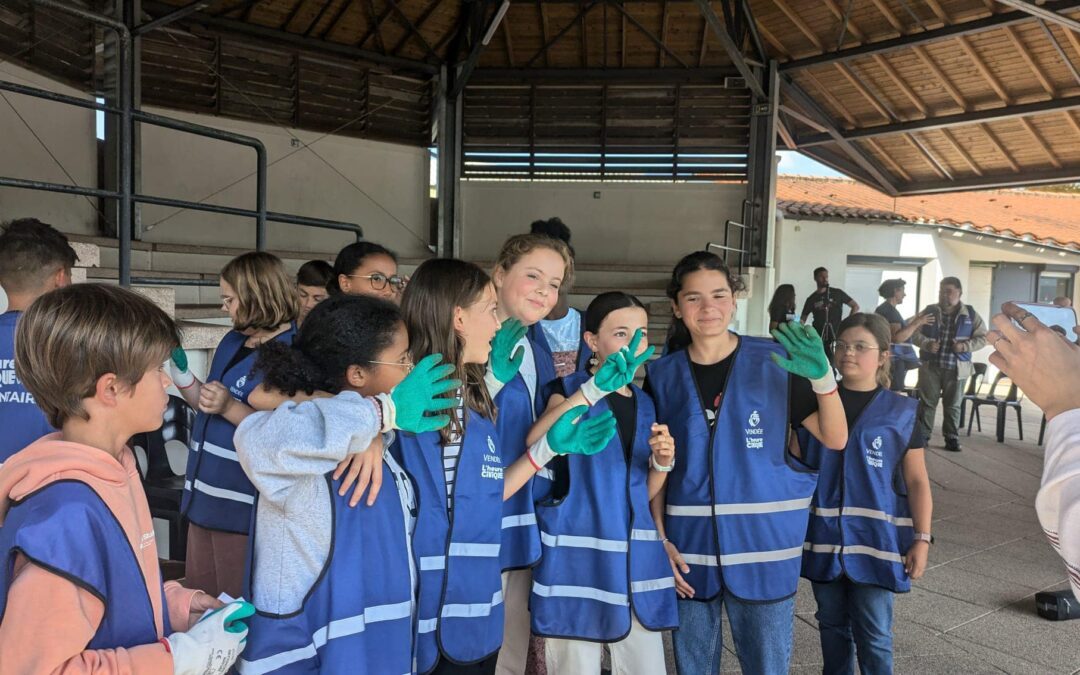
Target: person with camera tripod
(826, 304)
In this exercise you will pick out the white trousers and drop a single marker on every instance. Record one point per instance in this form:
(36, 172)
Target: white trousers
(639, 653)
(516, 586)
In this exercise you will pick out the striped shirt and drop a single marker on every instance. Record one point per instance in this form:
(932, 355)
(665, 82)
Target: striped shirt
(452, 451)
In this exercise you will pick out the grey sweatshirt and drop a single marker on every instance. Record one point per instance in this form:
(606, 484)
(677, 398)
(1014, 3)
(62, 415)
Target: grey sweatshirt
(286, 454)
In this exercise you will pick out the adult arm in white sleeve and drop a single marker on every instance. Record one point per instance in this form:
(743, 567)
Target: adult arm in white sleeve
(303, 439)
(1058, 501)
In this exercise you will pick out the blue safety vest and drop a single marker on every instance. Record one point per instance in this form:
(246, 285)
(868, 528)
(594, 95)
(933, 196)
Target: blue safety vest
(66, 528)
(358, 616)
(860, 524)
(536, 334)
(602, 553)
(460, 611)
(737, 503)
(21, 419)
(519, 404)
(964, 328)
(217, 492)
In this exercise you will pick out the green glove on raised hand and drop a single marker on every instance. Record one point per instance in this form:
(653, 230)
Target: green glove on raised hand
(568, 436)
(806, 353)
(178, 369)
(505, 361)
(421, 393)
(618, 370)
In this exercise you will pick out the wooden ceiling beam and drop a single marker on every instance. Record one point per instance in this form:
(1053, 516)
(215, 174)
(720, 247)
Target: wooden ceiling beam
(996, 142)
(584, 39)
(704, 42)
(825, 94)
(886, 12)
(378, 24)
(412, 30)
(1025, 55)
(935, 164)
(984, 70)
(960, 150)
(543, 27)
(333, 23)
(649, 34)
(505, 25)
(889, 161)
(860, 87)
(663, 34)
(883, 63)
(781, 50)
(936, 8)
(800, 24)
(859, 36)
(420, 21)
(565, 29)
(1040, 141)
(319, 17)
(941, 77)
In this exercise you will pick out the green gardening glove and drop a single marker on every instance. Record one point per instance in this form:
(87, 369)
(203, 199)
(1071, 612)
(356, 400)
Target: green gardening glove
(806, 352)
(618, 370)
(505, 360)
(569, 436)
(420, 393)
(178, 369)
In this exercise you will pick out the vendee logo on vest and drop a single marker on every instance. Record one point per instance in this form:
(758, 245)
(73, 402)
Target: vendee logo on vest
(755, 435)
(494, 470)
(238, 388)
(874, 456)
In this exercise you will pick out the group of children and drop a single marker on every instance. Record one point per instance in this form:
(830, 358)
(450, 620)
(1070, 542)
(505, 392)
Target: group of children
(416, 475)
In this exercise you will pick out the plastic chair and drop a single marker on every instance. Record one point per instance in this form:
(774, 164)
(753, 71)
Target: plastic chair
(976, 380)
(164, 485)
(1011, 400)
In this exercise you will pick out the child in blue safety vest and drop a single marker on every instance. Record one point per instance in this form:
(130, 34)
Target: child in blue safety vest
(80, 581)
(604, 576)
(869, 530)
(734, 510)
(262, 303)
(461, 477)
(333, 579)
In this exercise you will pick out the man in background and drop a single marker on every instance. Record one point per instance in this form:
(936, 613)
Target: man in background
(826, 305)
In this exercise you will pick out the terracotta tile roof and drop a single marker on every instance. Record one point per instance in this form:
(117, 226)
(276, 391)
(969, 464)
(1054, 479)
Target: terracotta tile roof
(1050, 219)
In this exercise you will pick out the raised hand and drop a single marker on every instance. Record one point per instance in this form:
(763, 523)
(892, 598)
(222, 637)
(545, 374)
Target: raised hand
(420, 393)
(505, 360)
(568, 436)
(806, 353)
(618, 369)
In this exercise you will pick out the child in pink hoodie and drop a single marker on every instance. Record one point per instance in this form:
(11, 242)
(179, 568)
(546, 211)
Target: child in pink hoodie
(80, 583)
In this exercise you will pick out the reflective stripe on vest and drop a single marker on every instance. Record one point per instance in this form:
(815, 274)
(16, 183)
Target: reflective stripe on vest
(217, 493)
(460, 610)
(602, 553)
(737, 504)
(356, 618)
(67, 528)
(519, 404)
(860, 524)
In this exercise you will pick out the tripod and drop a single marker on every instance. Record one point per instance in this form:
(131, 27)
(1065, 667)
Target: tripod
(828, 332)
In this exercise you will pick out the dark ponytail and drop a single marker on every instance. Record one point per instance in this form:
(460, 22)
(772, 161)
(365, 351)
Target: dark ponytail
(678, 336)
(342, 331)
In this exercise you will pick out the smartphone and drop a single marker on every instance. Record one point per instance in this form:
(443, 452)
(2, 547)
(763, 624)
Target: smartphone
(1057, 318)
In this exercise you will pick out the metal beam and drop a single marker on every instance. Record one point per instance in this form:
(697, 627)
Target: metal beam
(190, 8)
(1043, 13)
(906, 41)
(867, 163)
(1068, 174)
(732, 50)
(649, 34)
(461, 74)
(629, 75)
(413, 30)
(448, 139)
(946, 121)
(284, 38)
(566, 29)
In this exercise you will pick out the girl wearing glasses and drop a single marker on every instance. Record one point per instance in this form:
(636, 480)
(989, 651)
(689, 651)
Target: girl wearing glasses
(316, 559)
(733, 512)
(367, 268)
(462, 474)
(869, 531)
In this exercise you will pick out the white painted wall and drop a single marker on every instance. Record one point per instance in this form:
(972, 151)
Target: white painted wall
(628, 223)
(66, 132)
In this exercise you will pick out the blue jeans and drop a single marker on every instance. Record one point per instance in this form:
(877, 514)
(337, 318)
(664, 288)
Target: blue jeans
(855, 618)
(763, 634)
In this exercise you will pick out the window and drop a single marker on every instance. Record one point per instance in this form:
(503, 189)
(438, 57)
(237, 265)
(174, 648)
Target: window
(1053, 285)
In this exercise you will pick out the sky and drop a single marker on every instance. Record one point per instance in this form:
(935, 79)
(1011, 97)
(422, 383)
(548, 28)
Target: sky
(794, 163)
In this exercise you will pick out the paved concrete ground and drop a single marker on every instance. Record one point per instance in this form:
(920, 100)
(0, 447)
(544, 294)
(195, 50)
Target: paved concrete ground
(974, 611)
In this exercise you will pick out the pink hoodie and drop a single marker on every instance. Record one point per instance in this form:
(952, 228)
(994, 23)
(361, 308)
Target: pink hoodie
(50, 620)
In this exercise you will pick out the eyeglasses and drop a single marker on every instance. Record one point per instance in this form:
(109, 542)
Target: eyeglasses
(858, 347)
(379, 280)
(407, 365)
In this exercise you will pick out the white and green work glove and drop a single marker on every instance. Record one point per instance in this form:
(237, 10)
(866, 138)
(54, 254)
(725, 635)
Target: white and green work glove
(569, 436)
(617, 370)
(506, 356)
(178, 369)
(213, 644)
(407, 405)
(806, 356)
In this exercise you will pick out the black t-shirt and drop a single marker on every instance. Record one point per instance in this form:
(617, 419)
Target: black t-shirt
(854, 403)
(891, 314)
(832, 300)
(623, 407)
(711, 378)
(239, 356)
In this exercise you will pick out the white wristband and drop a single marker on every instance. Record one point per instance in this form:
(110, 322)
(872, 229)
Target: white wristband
(540, 453)
(494, 386)
(181, 378)
(591, 392)
(389, 412)
(657, 467)
(824, 385)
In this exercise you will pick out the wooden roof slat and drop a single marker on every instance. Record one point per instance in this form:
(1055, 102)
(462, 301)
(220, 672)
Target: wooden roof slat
(856, 82)
(1037, 137)
(983, 69)
(908, 91)
(996, 143)
(941, 77)
(960, 150)
(887, 157)
(1025, 55)
(799, 23)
